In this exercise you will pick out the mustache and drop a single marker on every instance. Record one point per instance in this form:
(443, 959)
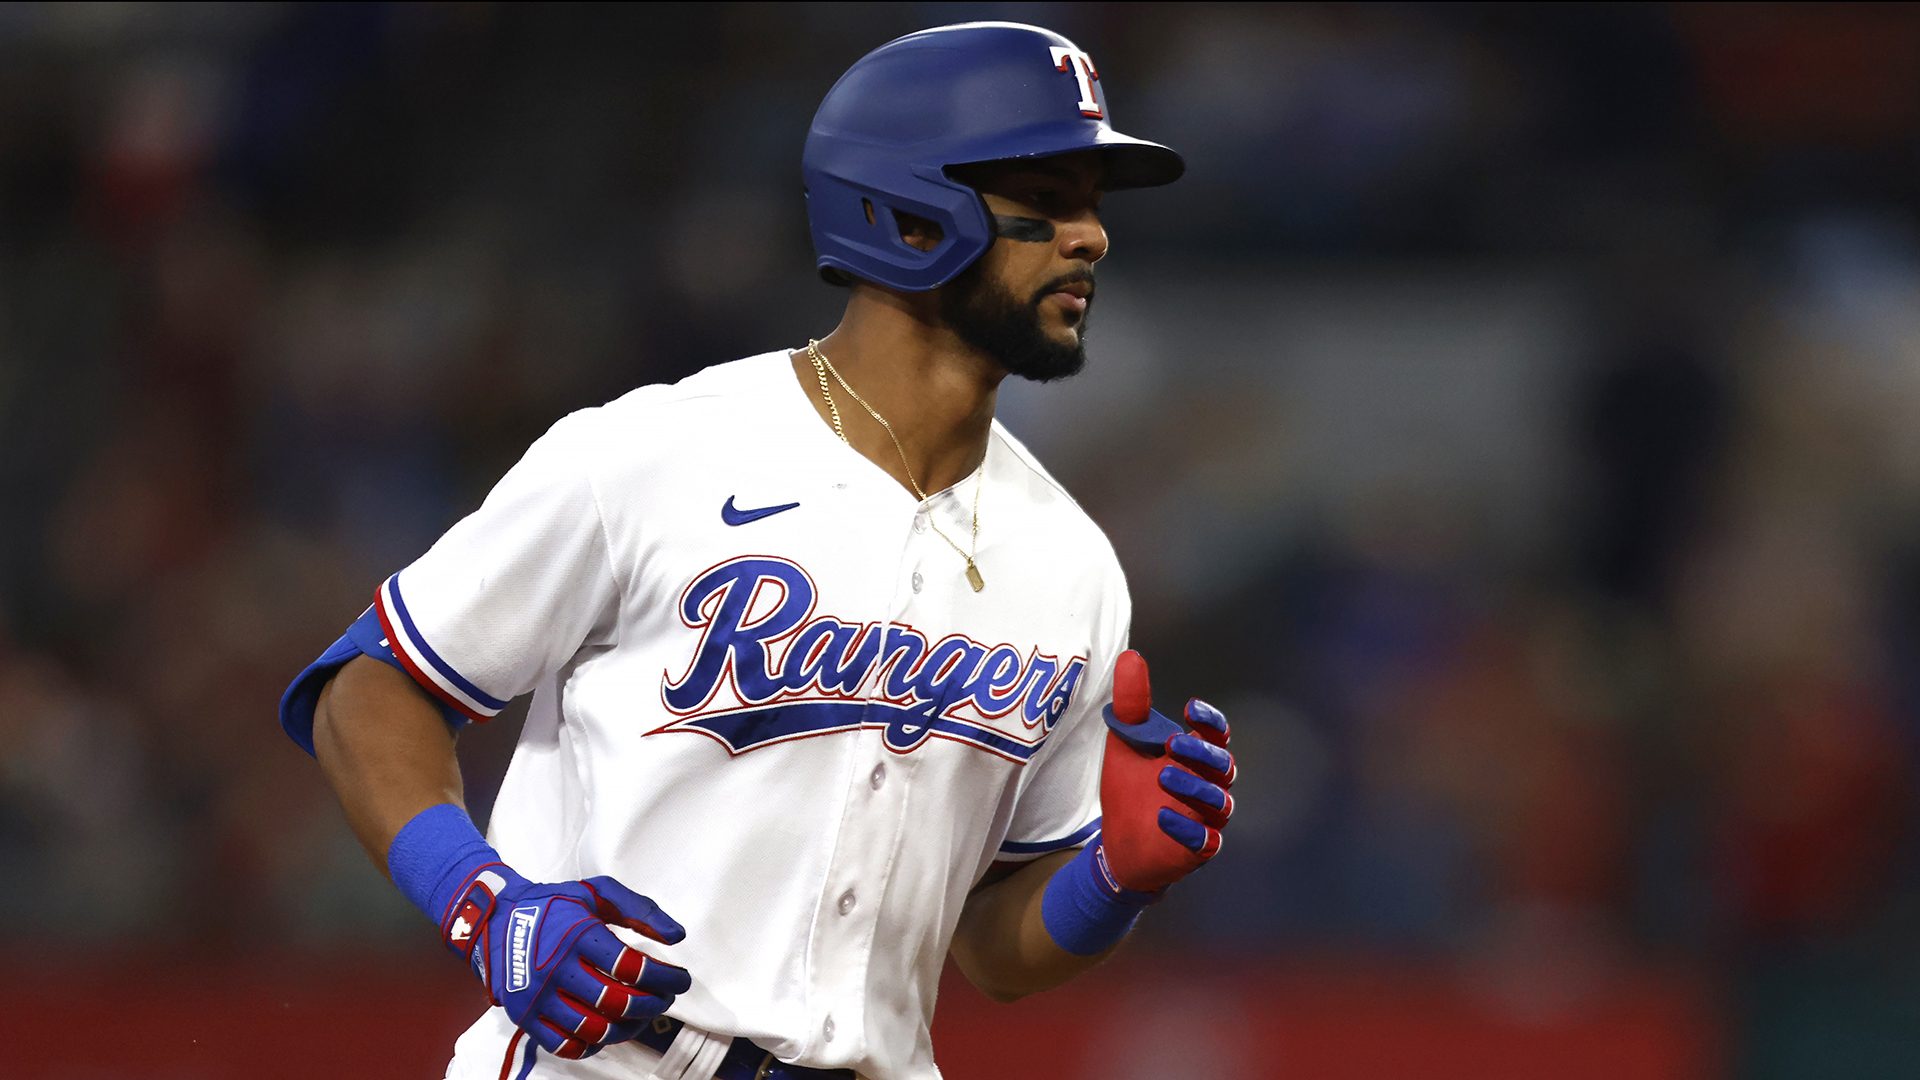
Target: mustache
(1074, 277)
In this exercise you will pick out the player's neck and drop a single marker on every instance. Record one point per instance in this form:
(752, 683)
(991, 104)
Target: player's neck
(936, 391)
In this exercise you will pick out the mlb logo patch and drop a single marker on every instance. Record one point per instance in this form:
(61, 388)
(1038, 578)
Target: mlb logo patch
(520, 927)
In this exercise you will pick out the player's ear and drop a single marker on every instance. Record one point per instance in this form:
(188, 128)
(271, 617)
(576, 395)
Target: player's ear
(918, 231)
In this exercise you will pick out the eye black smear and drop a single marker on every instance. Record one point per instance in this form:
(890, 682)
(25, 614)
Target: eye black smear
(1024, 229)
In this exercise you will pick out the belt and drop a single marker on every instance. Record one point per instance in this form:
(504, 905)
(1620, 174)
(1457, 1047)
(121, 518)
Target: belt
(744, 1060)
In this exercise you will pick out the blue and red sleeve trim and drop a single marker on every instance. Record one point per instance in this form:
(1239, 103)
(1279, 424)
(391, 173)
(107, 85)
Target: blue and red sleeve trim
(426, 666)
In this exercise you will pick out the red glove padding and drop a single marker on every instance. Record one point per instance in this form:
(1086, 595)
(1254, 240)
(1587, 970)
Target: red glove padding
(1162, 807)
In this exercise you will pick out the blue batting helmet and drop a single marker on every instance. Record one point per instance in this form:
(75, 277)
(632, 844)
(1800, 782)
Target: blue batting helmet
(953, 95)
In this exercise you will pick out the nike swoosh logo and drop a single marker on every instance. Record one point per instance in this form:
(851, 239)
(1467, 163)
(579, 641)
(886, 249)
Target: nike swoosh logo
(733, 516)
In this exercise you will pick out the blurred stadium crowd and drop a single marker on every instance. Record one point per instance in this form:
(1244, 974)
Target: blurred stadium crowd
(1510, 420)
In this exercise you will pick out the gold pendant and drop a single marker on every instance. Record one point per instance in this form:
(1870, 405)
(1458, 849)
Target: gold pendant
(973, 577)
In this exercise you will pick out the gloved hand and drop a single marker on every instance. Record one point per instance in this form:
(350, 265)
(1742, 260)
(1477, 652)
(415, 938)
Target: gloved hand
(1163, 802)
(546, 956)
(1163, 790)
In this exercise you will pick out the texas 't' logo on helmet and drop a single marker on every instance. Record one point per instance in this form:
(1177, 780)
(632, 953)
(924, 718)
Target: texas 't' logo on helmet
(1078, 64)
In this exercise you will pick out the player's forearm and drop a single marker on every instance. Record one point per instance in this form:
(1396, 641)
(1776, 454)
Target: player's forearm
(386, 751)
(1001, 944)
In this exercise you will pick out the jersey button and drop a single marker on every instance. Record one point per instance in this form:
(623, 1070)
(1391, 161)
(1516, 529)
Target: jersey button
(920, 522)
(847, 900)
(878, 776)
(827, 1029)
(918, 581)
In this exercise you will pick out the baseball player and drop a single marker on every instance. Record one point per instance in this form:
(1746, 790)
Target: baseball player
(823, 663)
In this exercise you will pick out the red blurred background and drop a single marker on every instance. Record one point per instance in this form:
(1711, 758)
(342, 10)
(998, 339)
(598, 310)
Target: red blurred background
(303, 1017)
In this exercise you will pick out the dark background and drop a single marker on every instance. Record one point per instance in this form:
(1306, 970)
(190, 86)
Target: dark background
(1510, 421)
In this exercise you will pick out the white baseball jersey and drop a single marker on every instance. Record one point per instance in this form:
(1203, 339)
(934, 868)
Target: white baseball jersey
(766, 697)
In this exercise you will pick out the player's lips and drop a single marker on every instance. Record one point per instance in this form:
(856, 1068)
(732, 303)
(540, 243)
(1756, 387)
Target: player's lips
(1074, 295)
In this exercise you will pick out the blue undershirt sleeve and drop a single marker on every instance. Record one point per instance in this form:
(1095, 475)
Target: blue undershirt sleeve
(363, 638)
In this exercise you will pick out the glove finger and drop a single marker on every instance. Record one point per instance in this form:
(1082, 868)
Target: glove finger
(589, 1002)
(1207, 722)
(1132, 692)
(631, 966)
(1203, 758)
(1210, 801)
(554, 1040)
(587, 1024)
(1190, 834)
(607, 996)
(571, 1015)
(622, 906)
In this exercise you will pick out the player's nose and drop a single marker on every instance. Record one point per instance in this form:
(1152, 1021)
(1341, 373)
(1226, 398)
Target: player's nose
(1084, 238)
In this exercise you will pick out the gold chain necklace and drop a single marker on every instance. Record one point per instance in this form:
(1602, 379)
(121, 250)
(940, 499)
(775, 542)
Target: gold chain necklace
(821, 366)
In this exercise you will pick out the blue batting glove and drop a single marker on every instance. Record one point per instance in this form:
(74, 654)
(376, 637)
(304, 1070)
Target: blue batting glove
(546, 956)
(543, 951)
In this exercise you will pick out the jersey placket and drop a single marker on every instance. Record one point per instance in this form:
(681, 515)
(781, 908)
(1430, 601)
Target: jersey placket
(878, 792)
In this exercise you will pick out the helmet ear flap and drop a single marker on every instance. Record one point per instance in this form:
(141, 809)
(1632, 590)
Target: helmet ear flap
(858, 235)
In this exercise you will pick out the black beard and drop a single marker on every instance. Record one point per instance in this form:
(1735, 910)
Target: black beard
(1001, 325)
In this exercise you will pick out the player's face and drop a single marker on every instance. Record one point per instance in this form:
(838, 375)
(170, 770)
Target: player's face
(1048, 248)
(1025, 302)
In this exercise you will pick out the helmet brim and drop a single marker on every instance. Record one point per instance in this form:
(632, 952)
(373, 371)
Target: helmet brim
(1131, 162)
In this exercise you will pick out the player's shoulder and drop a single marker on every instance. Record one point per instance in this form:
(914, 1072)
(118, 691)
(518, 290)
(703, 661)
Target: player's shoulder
(1048, 500)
